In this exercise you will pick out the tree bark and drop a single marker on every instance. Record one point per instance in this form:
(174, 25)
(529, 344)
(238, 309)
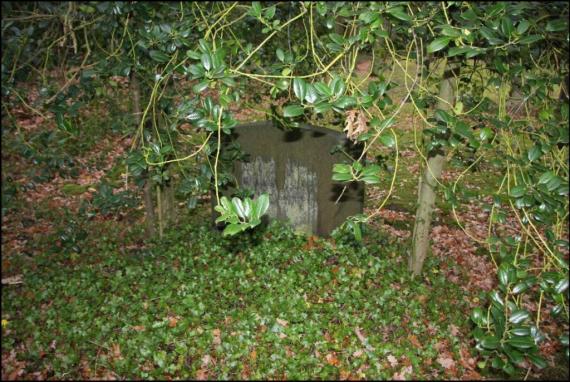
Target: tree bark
(150, 216)
(149, 208)
(428, 183)
(168, 203)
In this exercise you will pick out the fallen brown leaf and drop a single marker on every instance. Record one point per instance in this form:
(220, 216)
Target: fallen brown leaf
(393, 361)
(332, 359)
(414, 340)
(446, 361)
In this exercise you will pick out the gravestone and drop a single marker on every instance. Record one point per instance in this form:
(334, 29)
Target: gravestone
(294, 167)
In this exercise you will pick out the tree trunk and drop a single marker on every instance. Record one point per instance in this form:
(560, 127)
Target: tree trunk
(149, 208)
(160, 211)
(427, 185)
(168, 203)
(147, 190)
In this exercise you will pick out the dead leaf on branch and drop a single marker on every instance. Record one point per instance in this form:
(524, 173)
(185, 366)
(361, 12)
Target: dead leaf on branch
(356, 124)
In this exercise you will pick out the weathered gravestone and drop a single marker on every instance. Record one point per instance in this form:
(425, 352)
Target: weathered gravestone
(294, 167)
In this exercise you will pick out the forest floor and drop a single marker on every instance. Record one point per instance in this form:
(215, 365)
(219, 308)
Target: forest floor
(85, 295)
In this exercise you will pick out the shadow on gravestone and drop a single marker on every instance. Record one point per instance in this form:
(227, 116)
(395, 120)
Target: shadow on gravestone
(294, 168)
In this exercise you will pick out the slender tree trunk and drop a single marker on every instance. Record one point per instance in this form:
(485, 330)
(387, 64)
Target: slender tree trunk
(168, 203)
(147, 190)
(428, 183)
(149, 208)
(160, 211)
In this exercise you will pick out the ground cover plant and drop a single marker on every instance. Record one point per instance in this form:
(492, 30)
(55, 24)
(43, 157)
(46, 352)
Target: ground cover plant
(117, 122)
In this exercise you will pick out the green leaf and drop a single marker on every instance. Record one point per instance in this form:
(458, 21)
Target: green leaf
(232, 229)
(371, 170)
(388, 140)
(282, 84)
(490, 342)
(293, 111)
(557, 25)
(521, 342)
(368, 17)
(196, 70)
(256, 8)
(204, 46)
(239, 207)
(477, 316)
(341, 168)
(261, 205)
(467, 50)
(193, 54)
(518, 191)
(518, 316)
(226, 204)
(553, 183)
(514, 355)
(507, 26)
(530, 39)
(344, 102)
(300, 88)
(206, 61)
(534, 153)
(496, 297)
(509, 368)
(158, 56)
(490, 36)
(520, 287)
(338, 87)
(438, 44)
(522, 331)
(341, 177)
(370, 179)
(200, 86)
(443, 116)
(561, 286)
(522, 26)
(449, 31)
(485, 133)
(503, 275)
(336, 38)
(322, 107)
(399, 13)
(386, 123)
(311, 94)
(270, 12)
(356, 231)
(537, 361)
(497, 363)
(280, 54)
(546, 177)
(323, 89)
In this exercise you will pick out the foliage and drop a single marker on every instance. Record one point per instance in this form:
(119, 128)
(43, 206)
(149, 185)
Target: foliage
(107, 200)
(162, 310)
(218, 50)
(241, 215)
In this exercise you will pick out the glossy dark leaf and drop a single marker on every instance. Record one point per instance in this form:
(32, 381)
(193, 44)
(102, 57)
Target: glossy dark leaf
(293, 111)
(438, 44)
